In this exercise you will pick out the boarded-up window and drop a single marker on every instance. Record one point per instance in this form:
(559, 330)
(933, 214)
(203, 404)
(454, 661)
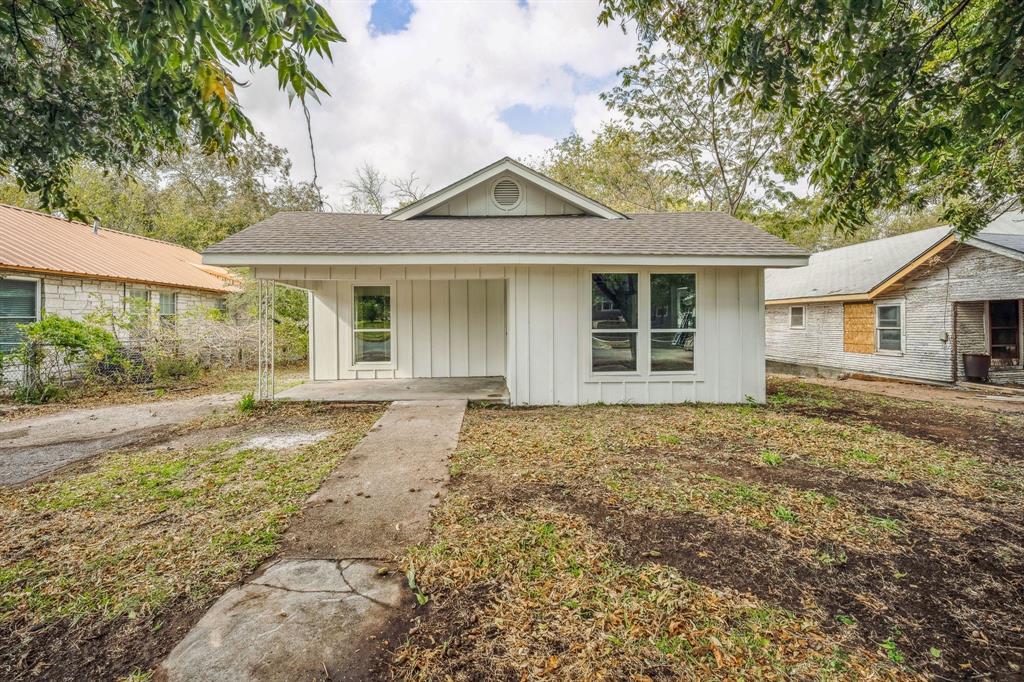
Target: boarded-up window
(859, 327)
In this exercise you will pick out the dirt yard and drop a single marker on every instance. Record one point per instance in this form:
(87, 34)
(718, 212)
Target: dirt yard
(104, 567)
(830, 534)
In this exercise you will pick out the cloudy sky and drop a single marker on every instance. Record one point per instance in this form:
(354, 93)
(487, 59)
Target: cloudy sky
(443, 87)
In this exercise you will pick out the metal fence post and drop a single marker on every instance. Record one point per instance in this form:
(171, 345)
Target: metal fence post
(265, 370)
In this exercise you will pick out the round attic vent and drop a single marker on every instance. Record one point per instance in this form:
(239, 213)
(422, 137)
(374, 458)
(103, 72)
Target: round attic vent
(506, 193)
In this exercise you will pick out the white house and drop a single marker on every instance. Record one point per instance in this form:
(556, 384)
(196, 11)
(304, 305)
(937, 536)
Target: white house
(506, 273)
(909, 306)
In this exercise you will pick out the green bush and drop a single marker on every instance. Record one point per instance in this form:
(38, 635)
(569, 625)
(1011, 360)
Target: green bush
(175, 367)
(247, 403)
(38, 394)
(56, 350)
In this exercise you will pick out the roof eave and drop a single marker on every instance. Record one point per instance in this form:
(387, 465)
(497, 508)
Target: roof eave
(232, 286)
(640, 260)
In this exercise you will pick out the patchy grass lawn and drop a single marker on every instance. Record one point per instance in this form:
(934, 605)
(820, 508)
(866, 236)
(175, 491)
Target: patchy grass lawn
(209, 382)
(829, 534)
(105, 567)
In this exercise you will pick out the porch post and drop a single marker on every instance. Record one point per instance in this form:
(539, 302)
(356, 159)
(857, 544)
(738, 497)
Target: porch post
(265, 368)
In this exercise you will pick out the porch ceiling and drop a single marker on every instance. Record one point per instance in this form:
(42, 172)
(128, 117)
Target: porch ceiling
(490, 389)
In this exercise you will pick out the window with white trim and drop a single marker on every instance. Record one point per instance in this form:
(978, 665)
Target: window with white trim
(889, 327)
(796, 317)
(168, 306)
(614, 322)
(19, 304)
(673, 322)
(371, 329)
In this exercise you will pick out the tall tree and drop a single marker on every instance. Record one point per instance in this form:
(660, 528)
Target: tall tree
(193, 199)
(888, 102)
(408, 189)
(116, 82)
(719, 147)
(618, 168)
(366, 193)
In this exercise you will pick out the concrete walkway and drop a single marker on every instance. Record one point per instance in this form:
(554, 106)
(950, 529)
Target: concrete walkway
(31, 448)
(320, 610)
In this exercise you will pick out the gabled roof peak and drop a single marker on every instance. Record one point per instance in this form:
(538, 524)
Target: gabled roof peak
(506, 166)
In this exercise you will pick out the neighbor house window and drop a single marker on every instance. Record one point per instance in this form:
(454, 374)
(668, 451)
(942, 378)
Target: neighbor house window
(673, 322)
(614, 328)
(889, 327)
(137, 303)
(19, 304)
(371, 332)
(796, 317)
(168, 306)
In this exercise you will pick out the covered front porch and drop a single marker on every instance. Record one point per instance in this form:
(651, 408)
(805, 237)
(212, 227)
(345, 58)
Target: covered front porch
(484, 389)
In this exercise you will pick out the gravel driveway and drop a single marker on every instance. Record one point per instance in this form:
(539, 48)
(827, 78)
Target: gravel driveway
(32, 448)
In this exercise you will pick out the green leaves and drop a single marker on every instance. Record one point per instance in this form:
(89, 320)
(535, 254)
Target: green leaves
(117, 83)
(887, 103)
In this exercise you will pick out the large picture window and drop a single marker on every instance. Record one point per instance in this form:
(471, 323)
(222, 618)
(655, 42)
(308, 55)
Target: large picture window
(371, 332)
(673, 322)
(19, 304)
(889, 327)
(614, 322)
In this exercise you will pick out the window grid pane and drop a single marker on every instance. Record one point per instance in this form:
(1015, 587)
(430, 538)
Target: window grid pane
(373, 307)
(613, 351)
(889, 316)
(674, 301)
(614, 301)
(372, 346)
(889, 339)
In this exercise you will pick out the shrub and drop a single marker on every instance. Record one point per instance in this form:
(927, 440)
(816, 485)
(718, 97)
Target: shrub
(175, 367)
(57, 350)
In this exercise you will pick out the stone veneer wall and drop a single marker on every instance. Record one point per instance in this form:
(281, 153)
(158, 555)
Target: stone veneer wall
(75, 297)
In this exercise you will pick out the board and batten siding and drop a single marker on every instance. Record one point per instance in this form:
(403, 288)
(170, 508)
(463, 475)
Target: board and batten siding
(549, 340)
(961, 273)
(440, 328)
(533, 327)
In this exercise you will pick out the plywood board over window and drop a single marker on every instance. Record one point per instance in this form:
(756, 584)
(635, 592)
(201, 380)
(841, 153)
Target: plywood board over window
(859, 327)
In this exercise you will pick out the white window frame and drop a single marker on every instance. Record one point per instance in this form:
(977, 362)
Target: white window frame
(651, 332)
(389, 364)
(39, 294)
(643, 330)
(633, 330)
(803, 317)
(903, 327)
(160, 305)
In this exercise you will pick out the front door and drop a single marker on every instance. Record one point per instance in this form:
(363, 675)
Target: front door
(1004, 332)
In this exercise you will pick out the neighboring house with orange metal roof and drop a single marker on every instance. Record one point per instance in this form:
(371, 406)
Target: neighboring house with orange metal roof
(67, 268)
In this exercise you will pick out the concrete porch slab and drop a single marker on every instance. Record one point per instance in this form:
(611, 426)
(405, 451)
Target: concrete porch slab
(492, 389)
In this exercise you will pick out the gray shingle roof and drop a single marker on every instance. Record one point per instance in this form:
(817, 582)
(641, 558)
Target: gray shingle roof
(849, 270)
(857, 269)
(1013, 242)
(672, 234)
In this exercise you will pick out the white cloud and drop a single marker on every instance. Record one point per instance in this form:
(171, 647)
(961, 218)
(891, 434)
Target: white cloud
(428, 99)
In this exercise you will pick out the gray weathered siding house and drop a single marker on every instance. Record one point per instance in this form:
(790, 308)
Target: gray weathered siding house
(908, 306)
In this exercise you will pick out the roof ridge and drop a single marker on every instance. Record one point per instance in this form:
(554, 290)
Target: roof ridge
(88, 226)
